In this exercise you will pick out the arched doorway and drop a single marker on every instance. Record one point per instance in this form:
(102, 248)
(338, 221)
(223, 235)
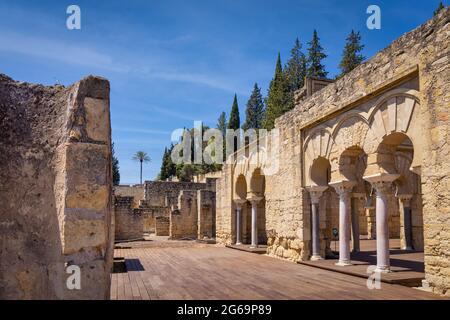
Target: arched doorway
(239, 200)
(398, 198)
(257, 207)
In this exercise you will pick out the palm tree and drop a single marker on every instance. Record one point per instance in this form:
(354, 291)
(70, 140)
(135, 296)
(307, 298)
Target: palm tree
(142, 157)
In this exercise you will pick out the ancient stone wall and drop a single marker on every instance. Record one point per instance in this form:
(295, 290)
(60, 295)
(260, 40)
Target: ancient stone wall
(162, 199)
(55, 190)
(165, 193)
(129, 221)
(135, 191)
(162, 226)
(184, 219)
(404, 88)
(206, 224)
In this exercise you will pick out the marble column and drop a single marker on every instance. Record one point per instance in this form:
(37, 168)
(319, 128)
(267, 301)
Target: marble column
(383, 185)
(355, 220)
(315, 193)
(254, 201)
(407, 220)
(344, 190)
(239, 204)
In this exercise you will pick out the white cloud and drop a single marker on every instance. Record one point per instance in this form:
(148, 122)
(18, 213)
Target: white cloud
(56, 50)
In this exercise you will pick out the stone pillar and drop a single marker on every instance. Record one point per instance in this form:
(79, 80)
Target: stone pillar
(382, 184)
(407, 220)
(254, 201)
(355, 220)
(315, 193)
(239, 204)
(344, 189)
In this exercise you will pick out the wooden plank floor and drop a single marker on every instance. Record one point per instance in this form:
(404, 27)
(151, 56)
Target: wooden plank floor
(200, 271)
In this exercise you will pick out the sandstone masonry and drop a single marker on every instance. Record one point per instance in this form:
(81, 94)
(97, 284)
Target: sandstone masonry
(55, 191)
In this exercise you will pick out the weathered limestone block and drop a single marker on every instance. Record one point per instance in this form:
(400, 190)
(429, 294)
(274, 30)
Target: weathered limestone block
(97, 118)
(162, 226)
(56, 190)
(129, 221)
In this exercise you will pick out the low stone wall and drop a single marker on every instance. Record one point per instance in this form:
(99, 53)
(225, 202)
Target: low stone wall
(129, 221)
(56, 189)
(206, 221)
(162, 226)
(165, 193)
(135, 191)
(183, 221)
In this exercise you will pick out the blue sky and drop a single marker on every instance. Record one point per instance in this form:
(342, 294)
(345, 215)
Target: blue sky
(171, 62)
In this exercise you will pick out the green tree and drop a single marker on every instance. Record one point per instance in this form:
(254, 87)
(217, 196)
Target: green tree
(222, 126)
(164, 174)
(255, 110)
(440, 7)
(315, 57)
(234, 122)
(115, 167)
(278, 100)
(295, 70)
(142, 157)
(222, 123)
(185, 172)
(351, 57)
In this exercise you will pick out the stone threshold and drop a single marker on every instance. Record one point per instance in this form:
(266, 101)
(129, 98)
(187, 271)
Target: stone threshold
(401, 276)
(262, 249)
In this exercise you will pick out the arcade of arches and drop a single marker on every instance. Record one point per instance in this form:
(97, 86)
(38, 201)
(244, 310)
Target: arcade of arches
(367, 156)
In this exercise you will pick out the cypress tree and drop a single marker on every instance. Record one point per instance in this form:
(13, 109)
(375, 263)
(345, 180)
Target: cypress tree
(295, 69)
(255, 110)
(163, 175)
(278, 100)
(222, 123)
(115, 167)
(351, 57)
(171, 167)
(234, 122)
(315, 57)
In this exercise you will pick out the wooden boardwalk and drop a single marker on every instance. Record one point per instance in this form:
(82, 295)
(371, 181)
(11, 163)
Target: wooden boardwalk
(200, 271)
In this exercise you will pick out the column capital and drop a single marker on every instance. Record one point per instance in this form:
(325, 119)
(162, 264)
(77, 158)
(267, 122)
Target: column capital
(254, 199)
(381, 181)
(405, 199)
(343, 187)
(239, 202)
(315, 192)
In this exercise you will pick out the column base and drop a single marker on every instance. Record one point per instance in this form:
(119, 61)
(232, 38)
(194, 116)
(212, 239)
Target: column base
(253, 247)
(408, 248)
(316, 258)
(355, 250)
(238, 243)
(382, 269)
(343, 263)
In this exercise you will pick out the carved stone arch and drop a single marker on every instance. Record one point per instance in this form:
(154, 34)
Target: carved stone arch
(397, 112)
(317, 145)
(350, 131)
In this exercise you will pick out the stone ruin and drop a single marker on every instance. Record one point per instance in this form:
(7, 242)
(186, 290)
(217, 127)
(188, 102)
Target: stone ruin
(367, 154)
(179, 210)
(55, 191)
